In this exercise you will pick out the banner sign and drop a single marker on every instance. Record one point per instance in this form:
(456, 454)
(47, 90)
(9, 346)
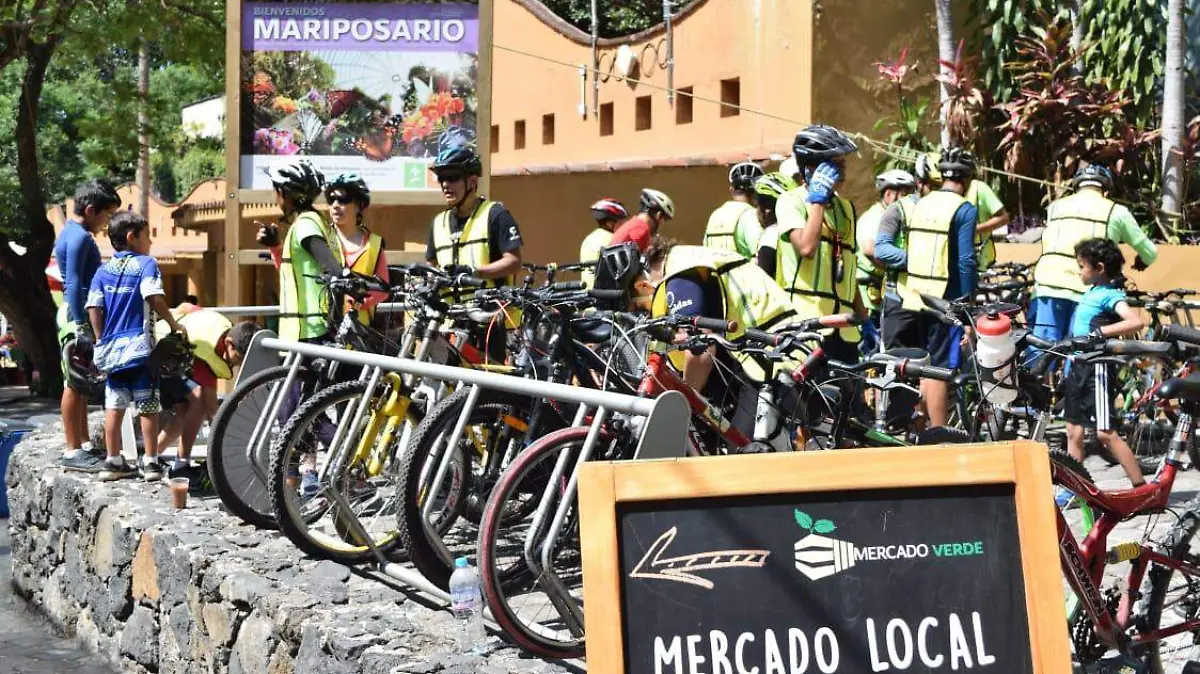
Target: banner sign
(365, 88)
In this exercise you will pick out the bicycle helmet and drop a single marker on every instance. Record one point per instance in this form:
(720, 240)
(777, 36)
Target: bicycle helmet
(172, 356)
(654, 200)
(618, 266)
(299, 180)
(819, 142)
(1093, 175)
(789, 167)
(895, 179)
(82, 373)
(352, 186)
(927, 168)
(774, 184)
(957, 164)
(609, 209)
(743, 175)
(456, 150)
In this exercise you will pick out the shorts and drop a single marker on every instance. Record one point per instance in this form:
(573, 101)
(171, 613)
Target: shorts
(176, 390)
(1088, 396)
(135, 388)
(905, 328)
(900, 327)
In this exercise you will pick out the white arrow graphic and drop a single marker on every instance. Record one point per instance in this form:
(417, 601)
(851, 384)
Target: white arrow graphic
(682, 569)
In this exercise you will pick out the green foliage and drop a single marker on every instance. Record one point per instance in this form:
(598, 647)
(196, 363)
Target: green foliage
(617, 17)
(909, 125)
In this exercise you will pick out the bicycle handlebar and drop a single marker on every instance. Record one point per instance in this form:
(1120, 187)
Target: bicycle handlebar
(911, 369)
(1181, 333)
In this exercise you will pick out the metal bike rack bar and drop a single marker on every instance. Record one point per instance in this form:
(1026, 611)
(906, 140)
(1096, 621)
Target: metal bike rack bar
(666, 423)
(273, 309)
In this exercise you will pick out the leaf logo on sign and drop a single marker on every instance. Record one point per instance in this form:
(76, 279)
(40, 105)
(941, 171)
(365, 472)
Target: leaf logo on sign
(818, 527)
(818, 556)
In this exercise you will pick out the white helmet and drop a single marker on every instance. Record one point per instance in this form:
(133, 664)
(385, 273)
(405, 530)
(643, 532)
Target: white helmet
(896, 179)
(654, 200)
(789, 167)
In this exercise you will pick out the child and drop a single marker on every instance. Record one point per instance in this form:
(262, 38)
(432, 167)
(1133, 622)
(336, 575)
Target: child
(1102, 313)
(218, 346)
(123, 292)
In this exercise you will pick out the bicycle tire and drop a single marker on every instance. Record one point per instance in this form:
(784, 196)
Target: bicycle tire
(424, 554)
(498, 583)
(943, 435)
(1176, 546)
(294, 521)
(235, 481)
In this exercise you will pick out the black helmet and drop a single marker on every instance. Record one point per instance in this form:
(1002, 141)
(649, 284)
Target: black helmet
(1093, 174)
(456, 150)
(819, 142)
(957, 164)
(352, 186)
(743, 175)
(82, 373)
(299, 180)
(618, 266)
(172, 356)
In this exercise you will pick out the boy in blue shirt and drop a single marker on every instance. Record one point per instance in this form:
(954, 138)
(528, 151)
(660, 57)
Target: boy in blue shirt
(123, 293)
(1102, 313)
(78, 258)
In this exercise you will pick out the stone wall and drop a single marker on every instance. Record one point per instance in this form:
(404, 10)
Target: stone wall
(156, 590)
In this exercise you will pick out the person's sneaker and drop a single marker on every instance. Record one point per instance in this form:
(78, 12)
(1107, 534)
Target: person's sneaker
(310, 484)
(84, 461)
(114, 471)
(153, 470)
(199, 483)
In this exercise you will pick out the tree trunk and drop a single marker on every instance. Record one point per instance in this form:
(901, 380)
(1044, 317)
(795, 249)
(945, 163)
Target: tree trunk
(945, 28)
(1173, 114)
(24, 295)
(1078, 29)
(143, 162)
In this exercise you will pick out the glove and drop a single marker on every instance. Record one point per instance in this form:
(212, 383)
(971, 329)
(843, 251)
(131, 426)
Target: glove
(1139, 264)
(820, 186)
(85, 337)
(268, 235)
(460, 270)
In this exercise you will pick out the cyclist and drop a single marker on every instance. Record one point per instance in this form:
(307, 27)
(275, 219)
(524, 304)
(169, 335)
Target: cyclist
(891, 186)
(816, 254)
(655, 208)
(474, 235)
(309, 250)
(766, 193)
(734, 224)
(938, 258)
(78, 259)
(699, 281)
(607, 213)
(1086, 214)
(363, 252)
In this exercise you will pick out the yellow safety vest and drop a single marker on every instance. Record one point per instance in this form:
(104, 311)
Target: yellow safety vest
(589, 251)
(748, 294)
(365, 264)
(928, 247)
(1078, 217)
(814, 283)
(205, 328)
(985, 248)
(721, 232)
(469, 246)
(303, 302)
(870, 277)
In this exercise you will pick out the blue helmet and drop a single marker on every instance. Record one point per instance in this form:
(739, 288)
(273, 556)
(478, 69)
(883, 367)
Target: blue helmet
(1093, 174)
(456, 150)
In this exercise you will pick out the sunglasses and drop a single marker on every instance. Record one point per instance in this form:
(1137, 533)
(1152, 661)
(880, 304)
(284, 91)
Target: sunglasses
(340, 199)
(451, 177)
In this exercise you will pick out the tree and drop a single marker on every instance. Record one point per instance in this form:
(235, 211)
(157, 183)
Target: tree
(617, 17)
(1173, 116)
(946, 57)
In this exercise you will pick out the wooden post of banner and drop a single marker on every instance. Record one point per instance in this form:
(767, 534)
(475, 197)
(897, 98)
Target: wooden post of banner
(228, 268)
(483, 96)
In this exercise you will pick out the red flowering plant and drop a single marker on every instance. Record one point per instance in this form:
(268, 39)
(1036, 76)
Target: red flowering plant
(906, 124)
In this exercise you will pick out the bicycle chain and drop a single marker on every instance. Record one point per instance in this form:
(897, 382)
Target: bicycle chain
(1088, 649)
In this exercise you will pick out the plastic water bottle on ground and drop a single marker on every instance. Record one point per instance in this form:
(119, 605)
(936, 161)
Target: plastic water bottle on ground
(466, 602)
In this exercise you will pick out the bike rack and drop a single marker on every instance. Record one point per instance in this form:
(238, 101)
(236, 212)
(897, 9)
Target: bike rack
(663, 433)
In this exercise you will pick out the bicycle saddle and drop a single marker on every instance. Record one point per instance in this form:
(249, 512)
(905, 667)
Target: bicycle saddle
(1186, 389)
(591, 330)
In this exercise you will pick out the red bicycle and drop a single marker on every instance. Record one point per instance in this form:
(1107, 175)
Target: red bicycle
(1156, 630)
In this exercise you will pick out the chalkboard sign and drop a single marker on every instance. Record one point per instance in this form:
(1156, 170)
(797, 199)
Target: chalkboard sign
(896, 560)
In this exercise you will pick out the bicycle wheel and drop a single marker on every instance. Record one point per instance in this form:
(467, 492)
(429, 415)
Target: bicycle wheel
(1175, 596)
(308, 514)
(237, 477)
(540, 617)
(496, 424)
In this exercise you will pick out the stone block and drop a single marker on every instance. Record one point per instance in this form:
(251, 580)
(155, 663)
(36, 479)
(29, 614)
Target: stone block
(139, 638)
(220, 622)
(245, 588)
(145, 570)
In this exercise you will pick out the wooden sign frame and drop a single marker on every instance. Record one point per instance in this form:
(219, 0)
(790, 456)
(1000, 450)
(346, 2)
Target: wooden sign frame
(1024, 464)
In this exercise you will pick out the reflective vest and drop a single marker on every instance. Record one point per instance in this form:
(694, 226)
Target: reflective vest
(721, 232)
(205, 328)
(928, 247)
(303, 302)
(468, 246)
(589, 251)
(870, 277)
(365, 264)
(748, 294)
(985, 248)
(1078, 217)
(825, 283)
